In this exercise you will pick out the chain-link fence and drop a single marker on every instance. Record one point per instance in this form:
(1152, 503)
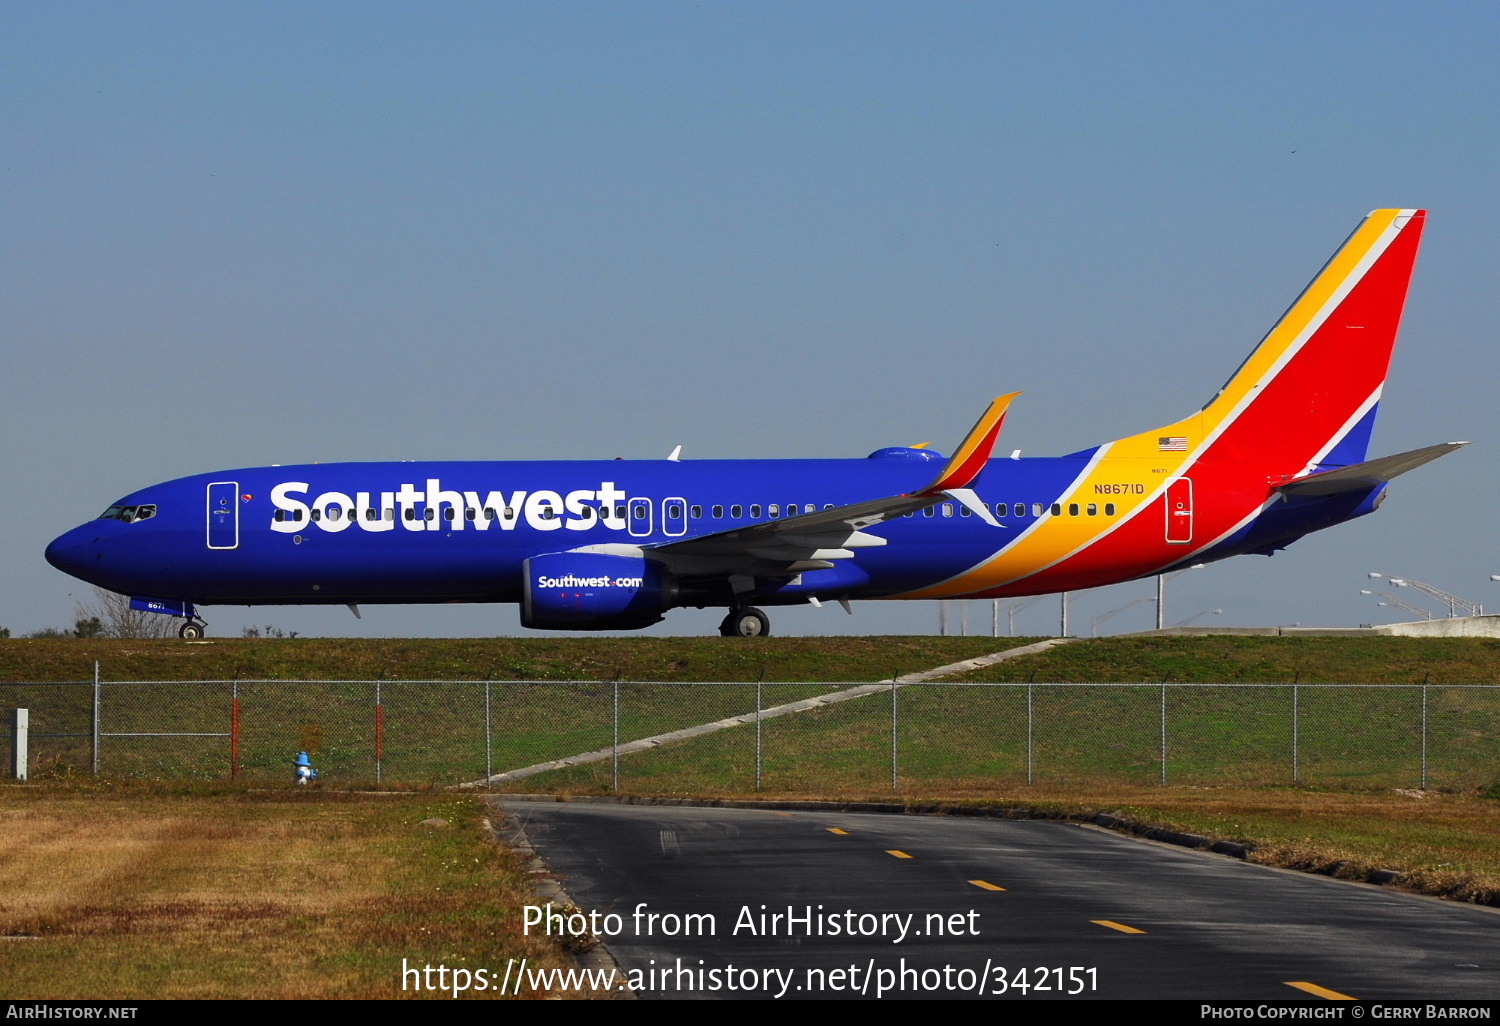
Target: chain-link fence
(743, 737)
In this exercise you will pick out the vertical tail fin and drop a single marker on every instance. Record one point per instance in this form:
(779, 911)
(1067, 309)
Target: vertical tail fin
(1307, 394)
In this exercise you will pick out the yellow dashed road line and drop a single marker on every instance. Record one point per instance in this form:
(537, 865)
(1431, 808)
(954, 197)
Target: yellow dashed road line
(1322, 992)
(836, 830)
(986, 885)
(1119, 926)
(898, 854)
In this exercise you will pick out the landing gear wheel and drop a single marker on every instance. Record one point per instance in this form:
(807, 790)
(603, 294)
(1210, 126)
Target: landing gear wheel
(748, 622)
(191, 631)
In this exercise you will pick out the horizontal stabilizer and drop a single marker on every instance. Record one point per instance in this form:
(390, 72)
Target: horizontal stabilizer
(1362, 477)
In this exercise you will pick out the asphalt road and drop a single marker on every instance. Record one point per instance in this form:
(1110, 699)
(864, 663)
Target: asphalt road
(988, 907)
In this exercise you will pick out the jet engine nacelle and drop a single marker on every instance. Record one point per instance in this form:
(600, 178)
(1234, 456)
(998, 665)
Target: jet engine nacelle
(591, 591)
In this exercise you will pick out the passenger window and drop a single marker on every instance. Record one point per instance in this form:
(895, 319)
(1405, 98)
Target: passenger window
(297, 515)
(963, 511)
(429, 514)
(279, 516)
(928, 512)
(696, 512)
(390, 513)
(718, 512)
(335, 512)
(773, 511)
(1093, 510)
(947, 509)
(548, 513)
(316, 516)
(471, 513)
(828, 505)
(1021, 510)
(411, 514)
(489, 513)
(1109, 509)
(674, 510)
(1057, 509)
(735, 512)
(1036, 509)
(754, 510)
(640, 512)
(1001, 509)
(1072, 509)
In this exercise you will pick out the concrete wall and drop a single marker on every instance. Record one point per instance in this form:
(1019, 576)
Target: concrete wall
(1487, 626)
(1458, 627)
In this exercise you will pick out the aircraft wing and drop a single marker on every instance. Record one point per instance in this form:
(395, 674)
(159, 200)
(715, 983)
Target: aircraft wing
(1361, 477)
(811, 541)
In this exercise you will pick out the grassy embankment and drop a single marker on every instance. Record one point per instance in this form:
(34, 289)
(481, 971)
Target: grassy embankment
(583, 658)
(952, 740)
(118, 890)
(431, 733)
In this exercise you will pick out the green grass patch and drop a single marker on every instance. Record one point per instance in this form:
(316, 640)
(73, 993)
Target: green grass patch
(584, 658)
(1229, 659)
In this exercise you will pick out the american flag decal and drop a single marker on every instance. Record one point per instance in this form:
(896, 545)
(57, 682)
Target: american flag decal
(1176, 443)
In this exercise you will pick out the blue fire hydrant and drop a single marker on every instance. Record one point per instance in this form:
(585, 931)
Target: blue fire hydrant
(305, 773)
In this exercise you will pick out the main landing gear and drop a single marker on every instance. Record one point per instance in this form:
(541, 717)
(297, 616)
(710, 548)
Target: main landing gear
(192, 630)
(745, 622)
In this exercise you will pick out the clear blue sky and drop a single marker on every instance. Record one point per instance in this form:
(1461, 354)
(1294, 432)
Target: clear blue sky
(239, 234)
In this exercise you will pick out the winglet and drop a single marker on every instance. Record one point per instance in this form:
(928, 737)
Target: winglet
(969, 459)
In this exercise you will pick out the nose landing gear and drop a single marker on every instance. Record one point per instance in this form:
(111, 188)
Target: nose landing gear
(745, 622)
(192, 630)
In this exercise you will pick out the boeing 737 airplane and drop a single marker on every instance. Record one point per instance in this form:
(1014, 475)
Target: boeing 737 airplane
(1279, 452)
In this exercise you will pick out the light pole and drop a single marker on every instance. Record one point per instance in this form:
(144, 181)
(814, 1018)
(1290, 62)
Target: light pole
(1455, 604)
(1161, 592)
(1394, 601)
(1204, 612)
(1011, 609)
(1096, 621)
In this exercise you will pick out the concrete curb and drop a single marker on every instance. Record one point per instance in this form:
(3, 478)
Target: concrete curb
(512, 834)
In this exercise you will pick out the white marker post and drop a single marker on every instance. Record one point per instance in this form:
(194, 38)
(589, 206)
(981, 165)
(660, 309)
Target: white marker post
(20, 728)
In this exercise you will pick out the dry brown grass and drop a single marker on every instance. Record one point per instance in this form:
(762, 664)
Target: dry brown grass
(148, 894)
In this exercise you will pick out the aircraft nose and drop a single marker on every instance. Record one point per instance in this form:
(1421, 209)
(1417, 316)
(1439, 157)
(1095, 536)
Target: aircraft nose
(73, 551)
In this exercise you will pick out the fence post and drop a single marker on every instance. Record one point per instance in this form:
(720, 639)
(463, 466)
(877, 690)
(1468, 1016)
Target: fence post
(1424, 735)
(1296, 754)
(95, 741)
(234, 730)
(894, 726)
(20, 727)
(615, 744)
(379, 731)
(1028, 734)
(488, 771)
(1163, 733)
(757, 734)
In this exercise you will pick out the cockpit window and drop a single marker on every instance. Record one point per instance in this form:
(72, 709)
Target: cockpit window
(129, 514)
